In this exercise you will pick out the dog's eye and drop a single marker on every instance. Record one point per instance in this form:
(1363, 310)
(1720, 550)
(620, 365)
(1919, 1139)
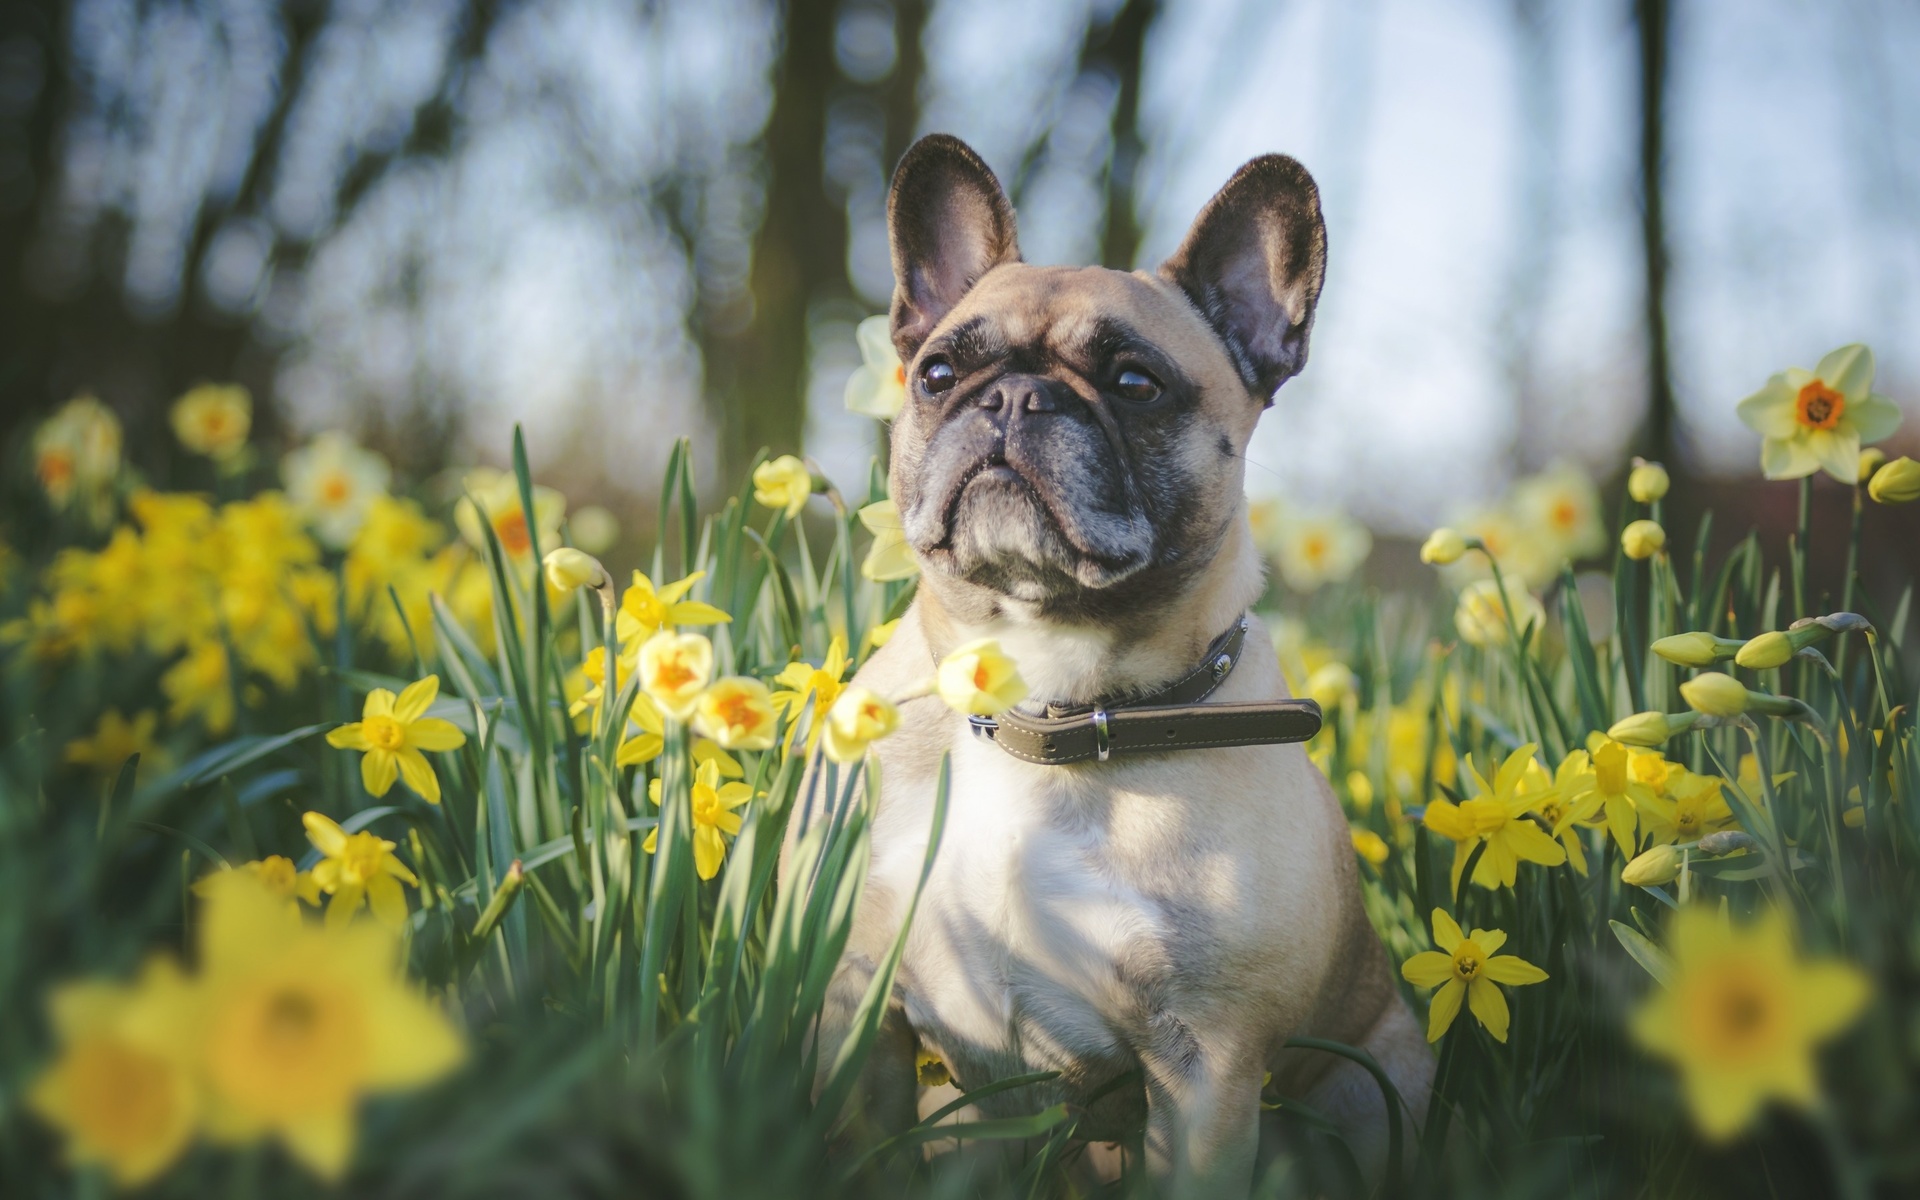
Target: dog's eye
(1137, 386)
(937, 376)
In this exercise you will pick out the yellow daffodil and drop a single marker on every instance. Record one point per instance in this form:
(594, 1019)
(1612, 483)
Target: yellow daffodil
(594, 672)
(1331, 684)
(1743, 1016)
(1896, 483)
(201, 685)
(594, 529)
(300, 1022)
(1567, 808)
(1443, 547)
(645, 746)
(878, 386)
(1642, 539)
(705, 750)
(358, 868)
(1525, 557)
(122, 1090)
(979, 679)
(715, 821)
(1481, 616)
(890, 557)
(929, 1070)
(333, 481)
(493, 498)
(857, 719)
(645, 610)
(1692, 809)
(1604, 773)
(1370, 846)
(783, 483)
(76, 452)
(568, 569)
(276, 873)
(393, 732)
(1560, 508)
(674, 670)
(800, 681)
(1819, 419)
(1647, 483)
(1466, 968)
(737, 713)
(1496, 816)
(116, 739)
(1264, 517)
(882, 633)
(1320, 546)
(214, 419)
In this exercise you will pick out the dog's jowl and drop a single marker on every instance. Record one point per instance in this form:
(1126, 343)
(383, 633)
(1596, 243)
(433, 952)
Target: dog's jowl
(1154, 915)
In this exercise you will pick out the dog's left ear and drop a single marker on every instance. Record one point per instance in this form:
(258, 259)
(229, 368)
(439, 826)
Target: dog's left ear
(949, 223)
(1253, 263)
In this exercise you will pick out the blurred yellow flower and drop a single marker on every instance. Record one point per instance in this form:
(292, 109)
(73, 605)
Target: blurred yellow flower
(594, 529)
(357, 868)
(333, 482)
(1481, 616)
(857, 719)
(645, 746)
(201, 685)
(392, 731)
(979, 679)
(783, 483)
(1560, 508)
(1443, 547)
(715, 820)
(300, 1022)
(801, 680)
(1466, 968)
(493, 499)
(1524, 556)
(878, 386)
(1819, 419)
(568, 569)
(276, 873)
(1370, 846)
(1496, 817)
(1320, 546)
(122, 1090)
(645, 611)
(214, 419)
(674, 670)
(77, 452)
(116, 739)
(890, 557)
(737, 713)
(1743, 1015)
(1647, 483)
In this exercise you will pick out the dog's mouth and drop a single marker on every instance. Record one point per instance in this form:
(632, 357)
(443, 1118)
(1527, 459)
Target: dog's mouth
(997, 510)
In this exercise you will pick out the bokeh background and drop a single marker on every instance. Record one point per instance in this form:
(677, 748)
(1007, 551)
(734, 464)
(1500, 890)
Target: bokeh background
(1559, 230)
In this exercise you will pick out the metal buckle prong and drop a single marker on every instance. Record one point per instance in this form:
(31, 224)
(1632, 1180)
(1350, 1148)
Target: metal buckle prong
(984, 727)
(1102, 745)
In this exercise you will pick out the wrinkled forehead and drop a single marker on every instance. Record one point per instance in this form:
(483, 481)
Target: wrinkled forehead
(1076, 312)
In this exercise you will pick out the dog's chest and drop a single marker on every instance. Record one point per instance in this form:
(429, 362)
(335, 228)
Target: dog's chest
(1039, 944)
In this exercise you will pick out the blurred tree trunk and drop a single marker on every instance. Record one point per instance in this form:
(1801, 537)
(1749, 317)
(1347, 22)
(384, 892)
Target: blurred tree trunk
(1652, 20)
(1120, 47)
(757, 375)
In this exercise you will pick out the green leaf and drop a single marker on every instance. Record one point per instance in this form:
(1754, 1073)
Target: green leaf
(1641, 949)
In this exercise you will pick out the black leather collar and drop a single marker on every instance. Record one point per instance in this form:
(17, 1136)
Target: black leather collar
(1173, 717)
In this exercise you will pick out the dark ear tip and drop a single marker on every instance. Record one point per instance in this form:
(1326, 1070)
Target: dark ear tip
(941, 149)
(1276, 174)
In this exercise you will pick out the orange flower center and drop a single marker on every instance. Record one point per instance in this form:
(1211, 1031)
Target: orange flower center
(1732, 1013)
(511, 529)
(384, 733)
(900, 375)
(55, 468)
(1314, 549)
(1819, 406)
(672, 676)
(1565, 514)
(981, 681)
(336, 489)
(738, 712)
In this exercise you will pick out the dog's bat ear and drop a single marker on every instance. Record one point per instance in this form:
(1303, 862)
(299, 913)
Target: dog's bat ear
(1253, 263)
(949, 223)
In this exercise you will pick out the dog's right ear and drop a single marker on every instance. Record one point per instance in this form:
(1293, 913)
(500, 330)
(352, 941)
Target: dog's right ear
(949, 223)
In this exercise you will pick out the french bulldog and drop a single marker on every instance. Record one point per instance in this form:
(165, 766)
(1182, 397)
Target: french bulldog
(1068, 469)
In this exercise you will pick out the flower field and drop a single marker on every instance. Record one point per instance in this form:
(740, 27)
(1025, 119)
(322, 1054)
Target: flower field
(357, 843)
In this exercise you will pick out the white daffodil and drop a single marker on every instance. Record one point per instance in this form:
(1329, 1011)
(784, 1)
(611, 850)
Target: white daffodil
(1321, 546)
(1561, 507)
(1819, 419)
(890, 558)
(334, 481)
(878, 386)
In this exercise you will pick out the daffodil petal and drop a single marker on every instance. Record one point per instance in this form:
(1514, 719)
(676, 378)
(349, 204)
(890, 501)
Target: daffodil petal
(1505, 968)
(379, 703)
(1489, 1006)
(418, 772)
(1769, 412)
(388, 901)
(378, 770)
(432, 733)
(325, 833)
(345, 902)
(1444, 1007)
(1489, 940)
(413, 703)
(1446, 930)
(348, 737)
(1874, 418)
(1787, 458)
(1429, 968)
(1838, 451)
(322, 1141)
(1848, 370)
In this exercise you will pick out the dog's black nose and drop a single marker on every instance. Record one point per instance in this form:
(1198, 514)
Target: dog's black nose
(1015, 394)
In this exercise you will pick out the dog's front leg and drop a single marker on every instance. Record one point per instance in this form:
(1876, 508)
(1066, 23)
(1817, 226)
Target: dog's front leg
(1203, 1111)
(883, 1100)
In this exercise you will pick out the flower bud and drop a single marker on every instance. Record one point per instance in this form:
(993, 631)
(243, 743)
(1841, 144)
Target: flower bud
(1647, 482)
(1652, 868)
(1443, 546)
(1651, 729)
(1896, 483)
(783, 483)
(1770, 649)
(1871, 460)
(1643, 539)
(1695, 649)
(568, 569)
(1329, 685)
(1715, 694)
